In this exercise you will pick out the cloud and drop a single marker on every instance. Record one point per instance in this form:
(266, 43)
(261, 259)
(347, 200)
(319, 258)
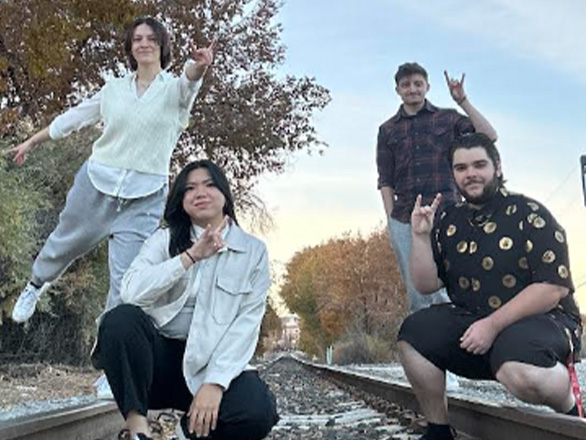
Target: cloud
(542, 30)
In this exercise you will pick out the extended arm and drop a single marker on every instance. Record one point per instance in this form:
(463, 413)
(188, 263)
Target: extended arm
(85, 113)
(480, 123)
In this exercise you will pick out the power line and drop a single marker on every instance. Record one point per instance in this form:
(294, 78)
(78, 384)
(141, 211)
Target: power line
(563, 182)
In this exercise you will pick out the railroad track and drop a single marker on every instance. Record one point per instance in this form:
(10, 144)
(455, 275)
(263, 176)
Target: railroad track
(313, 409)
(474, 418)
(98, 420)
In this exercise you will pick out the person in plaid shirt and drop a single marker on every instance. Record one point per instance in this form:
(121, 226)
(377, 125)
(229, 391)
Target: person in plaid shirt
(412, 159)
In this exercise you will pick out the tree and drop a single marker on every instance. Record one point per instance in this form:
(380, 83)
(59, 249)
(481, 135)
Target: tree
(248, 118)
(270, 331)
(345, 288)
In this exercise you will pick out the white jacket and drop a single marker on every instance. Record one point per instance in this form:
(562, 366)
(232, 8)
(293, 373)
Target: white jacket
(226, 320)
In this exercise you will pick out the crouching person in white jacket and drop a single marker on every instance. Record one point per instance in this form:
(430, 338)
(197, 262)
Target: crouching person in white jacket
(194, 299)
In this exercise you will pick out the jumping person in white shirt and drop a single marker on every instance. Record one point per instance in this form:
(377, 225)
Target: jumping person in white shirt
(120, 192)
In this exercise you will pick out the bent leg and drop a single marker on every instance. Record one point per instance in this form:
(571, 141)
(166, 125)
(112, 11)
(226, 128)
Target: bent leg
(401, 242)
(537, 385)
(248, 410)
(529, 358)
(131, 352)
(429, 344)
(83, 223)
(428, 383)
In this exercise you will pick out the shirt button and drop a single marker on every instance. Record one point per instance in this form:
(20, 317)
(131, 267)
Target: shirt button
(417, 147)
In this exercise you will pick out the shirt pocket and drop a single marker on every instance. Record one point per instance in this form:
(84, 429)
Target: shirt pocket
(228, 296)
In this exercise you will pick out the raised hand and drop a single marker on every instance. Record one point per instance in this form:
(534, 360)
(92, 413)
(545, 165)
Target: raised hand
(422, 216)
(203, 56)
(209, 243)
(456, 87)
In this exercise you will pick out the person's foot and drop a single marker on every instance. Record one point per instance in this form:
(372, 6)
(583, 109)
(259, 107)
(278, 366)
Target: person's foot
(439, 432)
(125, 435)
(103, 390)
(27, 302)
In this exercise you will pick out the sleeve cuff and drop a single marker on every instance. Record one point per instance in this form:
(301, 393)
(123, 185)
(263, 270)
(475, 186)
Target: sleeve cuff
(54, 132)
(220, 378)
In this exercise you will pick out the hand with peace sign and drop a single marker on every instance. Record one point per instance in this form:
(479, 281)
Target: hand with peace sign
(208, 244)
(456, 87)
(422, 216)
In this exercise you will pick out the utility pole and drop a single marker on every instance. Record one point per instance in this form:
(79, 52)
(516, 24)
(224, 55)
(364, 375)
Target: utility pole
(583, 168)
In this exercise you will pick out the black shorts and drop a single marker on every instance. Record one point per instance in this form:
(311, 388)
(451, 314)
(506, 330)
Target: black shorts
(540, 340)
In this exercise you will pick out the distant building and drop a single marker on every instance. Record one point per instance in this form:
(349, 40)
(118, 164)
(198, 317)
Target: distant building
(290, 332)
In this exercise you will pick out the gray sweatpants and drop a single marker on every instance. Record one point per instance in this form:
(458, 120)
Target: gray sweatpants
(89, 217)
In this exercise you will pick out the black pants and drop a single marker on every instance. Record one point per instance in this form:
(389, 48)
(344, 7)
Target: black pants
(539, 340)
(144, 370)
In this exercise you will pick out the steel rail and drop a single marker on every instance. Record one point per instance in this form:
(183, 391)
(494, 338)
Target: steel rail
(98, 420)
(475, 418)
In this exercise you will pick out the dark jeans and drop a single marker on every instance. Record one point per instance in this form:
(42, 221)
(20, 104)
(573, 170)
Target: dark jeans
(144, 370)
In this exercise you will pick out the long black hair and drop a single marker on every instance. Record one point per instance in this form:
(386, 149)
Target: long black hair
(177, 219)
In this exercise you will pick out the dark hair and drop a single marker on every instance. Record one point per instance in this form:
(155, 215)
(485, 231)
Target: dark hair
(161, 34)
(408, 69)
(474, 140)
(177, 219)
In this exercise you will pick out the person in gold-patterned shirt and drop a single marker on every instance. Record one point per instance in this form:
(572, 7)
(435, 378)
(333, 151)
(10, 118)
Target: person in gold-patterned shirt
(503, 259)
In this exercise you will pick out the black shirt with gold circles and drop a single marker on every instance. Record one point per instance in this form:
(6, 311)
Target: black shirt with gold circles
(486, 256)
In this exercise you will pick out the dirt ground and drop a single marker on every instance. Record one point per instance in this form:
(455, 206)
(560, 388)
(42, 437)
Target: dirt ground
(38, 382)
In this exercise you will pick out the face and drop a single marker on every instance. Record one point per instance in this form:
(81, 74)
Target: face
(203, 201)
(475, 174)
(412, 89)
(145, 48)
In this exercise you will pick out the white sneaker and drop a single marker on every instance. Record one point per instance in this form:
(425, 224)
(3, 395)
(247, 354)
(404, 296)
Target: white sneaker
(27, 302)
(103, 390)
(452, 383)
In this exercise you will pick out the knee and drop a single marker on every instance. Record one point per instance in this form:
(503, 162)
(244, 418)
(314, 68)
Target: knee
(255, 418)
(119, 320)
(518, 378)
(263, 417)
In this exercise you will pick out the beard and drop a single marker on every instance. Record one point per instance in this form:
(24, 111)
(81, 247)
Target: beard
(488, 192)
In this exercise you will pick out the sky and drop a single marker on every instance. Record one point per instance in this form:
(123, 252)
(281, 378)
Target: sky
(525, 71)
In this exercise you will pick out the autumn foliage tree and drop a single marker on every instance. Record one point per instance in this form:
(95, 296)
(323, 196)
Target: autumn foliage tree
(346, 290)
(270, 332)
(249, 116)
